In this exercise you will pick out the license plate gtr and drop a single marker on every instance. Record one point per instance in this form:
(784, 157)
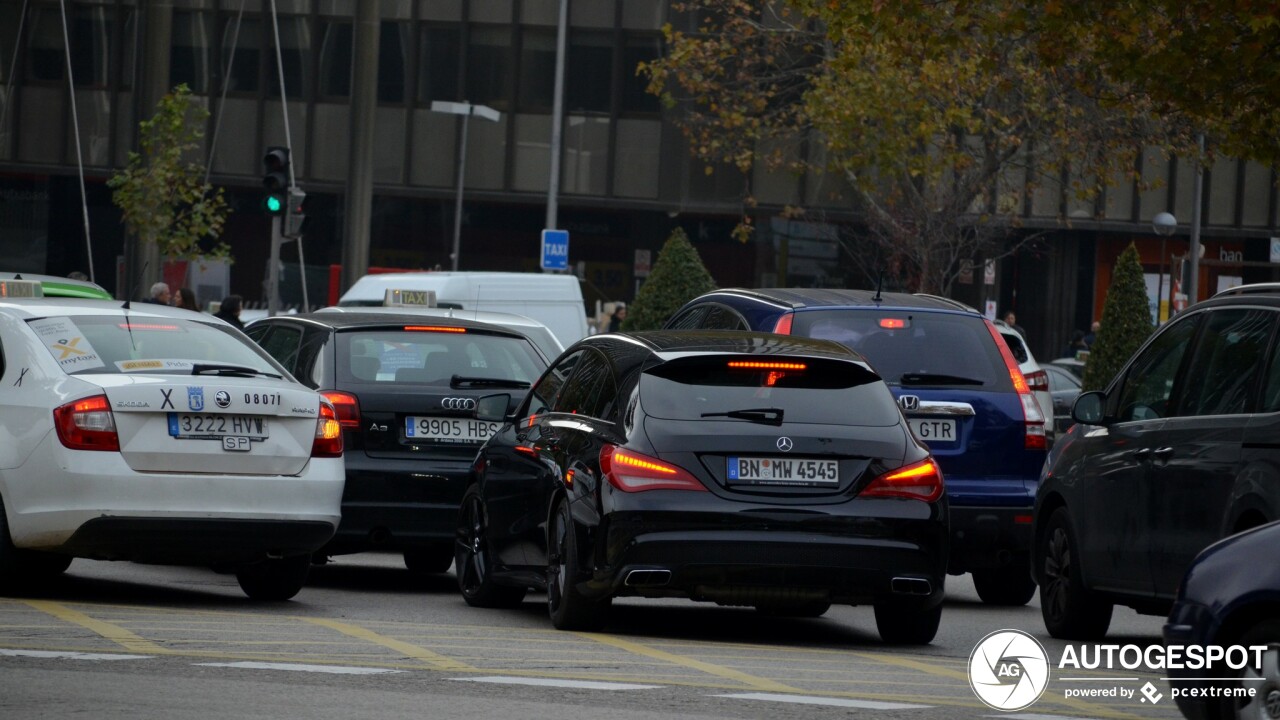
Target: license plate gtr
(783, 471)
(931, 430)
(448, 430)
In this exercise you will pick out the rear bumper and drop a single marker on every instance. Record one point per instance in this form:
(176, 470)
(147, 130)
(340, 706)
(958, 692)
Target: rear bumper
(984, 538)
(398, 504)
(747, 566)
(195, 541)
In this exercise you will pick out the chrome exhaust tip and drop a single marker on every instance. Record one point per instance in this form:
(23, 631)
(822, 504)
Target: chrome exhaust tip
(911, 586)
(647, 578)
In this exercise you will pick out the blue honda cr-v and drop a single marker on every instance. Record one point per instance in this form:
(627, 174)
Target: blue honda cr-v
(961, 390)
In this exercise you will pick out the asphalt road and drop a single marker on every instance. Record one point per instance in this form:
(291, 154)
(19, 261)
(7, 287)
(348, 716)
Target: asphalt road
(367, 639)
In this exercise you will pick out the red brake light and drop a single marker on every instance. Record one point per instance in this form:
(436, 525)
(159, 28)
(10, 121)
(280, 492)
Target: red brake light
(347, 408)
(893, 323)
(783, 325)
(918, 481)
(1038, 381)
(434, 328)
(1032, 416)
(756, 365)
(87, 424)
(630, 471)
(328, 442)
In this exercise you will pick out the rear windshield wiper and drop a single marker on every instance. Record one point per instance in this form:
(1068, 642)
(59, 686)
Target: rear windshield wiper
(937, 379)
(460, 381)
(771, 416)
(229, 371)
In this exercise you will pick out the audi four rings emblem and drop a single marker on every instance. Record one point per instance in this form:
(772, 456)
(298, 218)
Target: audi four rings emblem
(909, 402)
(785, 444)
(458, 403)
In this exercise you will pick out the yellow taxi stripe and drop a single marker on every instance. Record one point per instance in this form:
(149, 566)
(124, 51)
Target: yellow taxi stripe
(114, 633)
(750, 681)
(433, 659)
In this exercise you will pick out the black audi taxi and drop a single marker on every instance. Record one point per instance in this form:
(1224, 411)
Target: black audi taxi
(405, 389)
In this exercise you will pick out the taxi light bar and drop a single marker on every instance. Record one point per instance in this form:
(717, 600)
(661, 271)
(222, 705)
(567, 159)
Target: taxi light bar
(630, 471)
(87, 424)
(434, 328)
(893, 323)
(760, 365)
(21, 289)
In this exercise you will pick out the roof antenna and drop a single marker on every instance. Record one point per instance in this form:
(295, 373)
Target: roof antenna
(879, 285)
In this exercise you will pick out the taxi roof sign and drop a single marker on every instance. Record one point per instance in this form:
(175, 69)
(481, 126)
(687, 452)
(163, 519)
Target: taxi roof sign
(409, 298)
(21, 289)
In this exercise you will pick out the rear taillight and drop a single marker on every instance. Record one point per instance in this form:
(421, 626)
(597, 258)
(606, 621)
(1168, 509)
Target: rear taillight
(630, 471)
(918, 481)
(783, 325)
(1038, 381)
(1032, 417)
(347, 407)
(87, 424)
(328, 442)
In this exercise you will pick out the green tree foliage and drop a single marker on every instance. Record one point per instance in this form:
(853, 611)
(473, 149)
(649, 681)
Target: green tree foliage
(1126, 323)
(162, 192)
(677, 277)
(940, 119)
(1215, 61)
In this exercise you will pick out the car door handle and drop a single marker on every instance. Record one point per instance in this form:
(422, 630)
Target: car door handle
(1162, 453)
(1142, 455)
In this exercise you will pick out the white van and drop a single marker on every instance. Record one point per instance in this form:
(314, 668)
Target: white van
(553, 300)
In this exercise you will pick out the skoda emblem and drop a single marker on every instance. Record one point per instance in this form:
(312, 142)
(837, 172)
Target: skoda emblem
(909, 402)
(458, 403)
(222, 398)
(785, 444)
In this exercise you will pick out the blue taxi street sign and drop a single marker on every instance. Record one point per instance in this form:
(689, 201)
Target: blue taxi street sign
(555, 249)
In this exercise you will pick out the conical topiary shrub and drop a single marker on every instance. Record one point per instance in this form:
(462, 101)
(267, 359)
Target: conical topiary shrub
(1126, 323)
(677, 277)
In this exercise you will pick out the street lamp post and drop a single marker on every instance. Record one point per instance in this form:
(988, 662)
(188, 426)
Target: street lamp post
(466, 110)
(1164, 224)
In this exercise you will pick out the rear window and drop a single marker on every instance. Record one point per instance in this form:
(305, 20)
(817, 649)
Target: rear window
(410, 357)
(913, 348)
(100, 344)
(804, 390)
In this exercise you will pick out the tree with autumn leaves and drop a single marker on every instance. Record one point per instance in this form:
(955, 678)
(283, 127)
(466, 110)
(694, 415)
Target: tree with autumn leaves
(940, 117)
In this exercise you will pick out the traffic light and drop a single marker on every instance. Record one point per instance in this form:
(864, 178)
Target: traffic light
(295, 214)
(275, 179)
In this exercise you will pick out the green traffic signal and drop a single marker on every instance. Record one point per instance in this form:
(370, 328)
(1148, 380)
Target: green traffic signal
(273, 204)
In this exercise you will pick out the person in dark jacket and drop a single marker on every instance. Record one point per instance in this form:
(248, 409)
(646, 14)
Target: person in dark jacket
(615, 320)
(230, 310)
(185, 298)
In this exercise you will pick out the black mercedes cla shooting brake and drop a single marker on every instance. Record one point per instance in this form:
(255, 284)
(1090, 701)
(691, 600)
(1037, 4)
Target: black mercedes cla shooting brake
(740, 468)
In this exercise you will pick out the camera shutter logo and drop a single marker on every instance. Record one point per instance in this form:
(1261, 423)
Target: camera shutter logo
(1009, 670)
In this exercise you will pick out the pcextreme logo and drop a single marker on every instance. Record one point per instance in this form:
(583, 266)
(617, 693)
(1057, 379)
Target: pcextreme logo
(1009, 670)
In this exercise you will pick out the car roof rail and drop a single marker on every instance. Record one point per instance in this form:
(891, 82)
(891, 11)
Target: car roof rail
(954, 303)
(1252, 289)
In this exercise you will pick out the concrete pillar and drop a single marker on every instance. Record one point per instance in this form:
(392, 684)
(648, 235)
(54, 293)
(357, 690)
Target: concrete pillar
(364, 100)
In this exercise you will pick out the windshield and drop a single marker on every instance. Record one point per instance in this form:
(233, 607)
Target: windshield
(101, 344)
(400, 357)
(914, 348)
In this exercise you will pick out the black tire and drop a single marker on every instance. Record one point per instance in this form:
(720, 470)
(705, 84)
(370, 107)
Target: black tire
(10, 565)
(1070, 610)
(45, 566)
(901, 624)
(1009, 586)
(429, 560)
(1264, 680)
(473, 561)
(23, 569)
(799, 609)
(275, 579)
(569, 609)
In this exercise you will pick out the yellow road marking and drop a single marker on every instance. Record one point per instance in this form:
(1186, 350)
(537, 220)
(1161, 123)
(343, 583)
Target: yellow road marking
(751, 681)
(433, 659)
(114, 633)
(1048, 697)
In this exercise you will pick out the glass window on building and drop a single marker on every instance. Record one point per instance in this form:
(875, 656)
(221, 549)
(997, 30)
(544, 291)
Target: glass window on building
(438, 63)
(589, 72)
(45, 60)
(189, 52)
(393, 61)
(244, 38)
(335, 59)
(9, 13)
(537, 69)
(295, 54)
(489, 71)
(129, 41)
(638, 49)
(91, 39)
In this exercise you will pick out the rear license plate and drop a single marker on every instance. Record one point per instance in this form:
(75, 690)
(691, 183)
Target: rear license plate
(931, 430)
(783, 471)
(197, 426)
(442, 429)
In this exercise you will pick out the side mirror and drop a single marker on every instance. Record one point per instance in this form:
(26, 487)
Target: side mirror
(493, 408)
(1089, 408)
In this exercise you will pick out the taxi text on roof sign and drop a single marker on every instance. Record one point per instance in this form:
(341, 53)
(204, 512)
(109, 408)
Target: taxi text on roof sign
(21, 289)
(417, 298)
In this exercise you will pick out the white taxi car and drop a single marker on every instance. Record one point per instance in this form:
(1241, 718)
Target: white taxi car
(147, 433)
